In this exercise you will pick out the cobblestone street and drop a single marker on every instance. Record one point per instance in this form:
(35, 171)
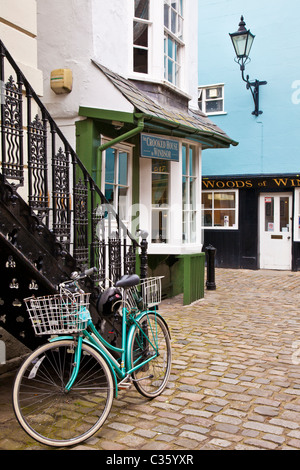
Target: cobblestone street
(235, 380)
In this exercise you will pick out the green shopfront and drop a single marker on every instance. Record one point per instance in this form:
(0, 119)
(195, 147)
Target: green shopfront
(148, 164)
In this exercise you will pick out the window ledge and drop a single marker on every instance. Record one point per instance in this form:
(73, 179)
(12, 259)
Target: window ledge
(220, 228)
(148, 78)
(216, 114)
(170, 249)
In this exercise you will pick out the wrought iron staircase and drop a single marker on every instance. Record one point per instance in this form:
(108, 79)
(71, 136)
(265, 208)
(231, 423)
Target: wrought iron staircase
(53, 218)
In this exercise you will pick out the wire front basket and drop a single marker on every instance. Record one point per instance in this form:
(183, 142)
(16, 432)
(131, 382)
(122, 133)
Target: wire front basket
(145, 295)
(61, 313)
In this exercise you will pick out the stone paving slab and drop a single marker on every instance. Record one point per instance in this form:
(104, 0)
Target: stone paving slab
(235, 381)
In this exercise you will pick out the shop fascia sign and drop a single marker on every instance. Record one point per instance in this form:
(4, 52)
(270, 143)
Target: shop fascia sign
(252, 183)
(159, 147)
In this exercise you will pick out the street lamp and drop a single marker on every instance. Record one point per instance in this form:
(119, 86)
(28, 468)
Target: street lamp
(242, 41)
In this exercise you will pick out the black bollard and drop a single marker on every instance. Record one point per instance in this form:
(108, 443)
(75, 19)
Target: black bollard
(144, 255)
(210, 260)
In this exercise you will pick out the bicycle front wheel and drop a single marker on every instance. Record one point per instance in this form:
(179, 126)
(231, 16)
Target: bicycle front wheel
(151, 342)
(46, 411)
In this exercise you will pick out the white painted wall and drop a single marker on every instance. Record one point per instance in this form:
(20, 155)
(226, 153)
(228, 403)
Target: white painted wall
(72, 33)
(70, 38)
(18, 31)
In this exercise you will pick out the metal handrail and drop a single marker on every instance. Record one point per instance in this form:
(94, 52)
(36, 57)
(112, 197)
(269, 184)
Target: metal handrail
(85, 190)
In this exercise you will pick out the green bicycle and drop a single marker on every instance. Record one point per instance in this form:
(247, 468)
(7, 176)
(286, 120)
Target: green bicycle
(64, 390)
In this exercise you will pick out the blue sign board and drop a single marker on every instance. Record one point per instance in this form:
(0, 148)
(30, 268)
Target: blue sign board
(158, 147)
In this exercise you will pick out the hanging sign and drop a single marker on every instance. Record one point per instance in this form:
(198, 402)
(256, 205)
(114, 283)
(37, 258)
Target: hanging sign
(159, 147)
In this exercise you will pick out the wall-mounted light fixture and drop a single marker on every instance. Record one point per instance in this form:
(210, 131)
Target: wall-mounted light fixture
(242, 42)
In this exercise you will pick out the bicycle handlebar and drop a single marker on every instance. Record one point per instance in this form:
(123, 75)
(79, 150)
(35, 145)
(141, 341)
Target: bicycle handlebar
(88, 272)
(76, 276)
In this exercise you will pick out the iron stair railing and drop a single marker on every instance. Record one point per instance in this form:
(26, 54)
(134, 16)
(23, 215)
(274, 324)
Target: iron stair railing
(39, 164)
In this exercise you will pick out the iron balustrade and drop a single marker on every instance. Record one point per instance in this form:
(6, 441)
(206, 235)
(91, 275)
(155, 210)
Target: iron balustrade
(39, 164)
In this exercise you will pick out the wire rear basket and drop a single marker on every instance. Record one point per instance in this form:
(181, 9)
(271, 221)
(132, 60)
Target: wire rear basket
(145, 295)
(61, 313)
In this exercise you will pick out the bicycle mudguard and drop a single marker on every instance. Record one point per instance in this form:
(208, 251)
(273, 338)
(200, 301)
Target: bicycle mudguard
(99, 351)
(132, 329)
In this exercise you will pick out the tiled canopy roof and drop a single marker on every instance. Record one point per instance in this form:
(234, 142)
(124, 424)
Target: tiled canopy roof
(194, 123)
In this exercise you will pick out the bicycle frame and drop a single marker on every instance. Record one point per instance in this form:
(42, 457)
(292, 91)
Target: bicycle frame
(120, 370)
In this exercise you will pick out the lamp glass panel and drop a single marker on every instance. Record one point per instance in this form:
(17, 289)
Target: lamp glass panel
(239, 43)
(249, 43)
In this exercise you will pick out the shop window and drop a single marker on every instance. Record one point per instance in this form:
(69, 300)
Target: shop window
(211, 99)
(160, 201)
(141, 26)
(173, 40)
(189, 182)
(220, 209)
(116, 180)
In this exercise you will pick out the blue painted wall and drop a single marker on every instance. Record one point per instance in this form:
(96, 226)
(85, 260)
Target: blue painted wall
(269, 143)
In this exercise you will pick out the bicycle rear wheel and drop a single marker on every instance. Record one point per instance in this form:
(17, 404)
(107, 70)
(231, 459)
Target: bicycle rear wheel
(151, 341)
(46, 411)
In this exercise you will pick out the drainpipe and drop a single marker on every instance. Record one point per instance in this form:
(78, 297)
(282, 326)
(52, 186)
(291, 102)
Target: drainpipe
(121, 138)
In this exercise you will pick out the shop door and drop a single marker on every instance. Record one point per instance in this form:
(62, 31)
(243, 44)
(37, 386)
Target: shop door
(275, 231)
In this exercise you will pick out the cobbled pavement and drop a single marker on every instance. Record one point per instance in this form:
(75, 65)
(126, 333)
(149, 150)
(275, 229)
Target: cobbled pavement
(235, 381)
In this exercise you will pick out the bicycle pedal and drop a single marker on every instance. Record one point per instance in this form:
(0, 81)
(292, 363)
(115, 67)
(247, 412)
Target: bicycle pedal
(124, 385)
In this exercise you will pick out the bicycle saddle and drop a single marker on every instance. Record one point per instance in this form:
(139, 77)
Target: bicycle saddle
(129, 280)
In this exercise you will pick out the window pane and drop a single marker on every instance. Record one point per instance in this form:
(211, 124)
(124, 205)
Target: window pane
(173, 21)
(166, 16)
(123, 168)
(141, 9)
(160, 166)
(192, 162)
(170, 48)
(110, 166)
(193, 228)
(269, 214)
(140, 34)
(180, 27)
(224, 218)
(208, 218)
(193, 193)
(213, 93)
(140, 60)
(224, 200)
(159, 189)
(184, 156)
(176, 51)
(122, 203)
(284, 214)
(109, 193)
(159, 226)
(177, 70)
(170, 70)
(207, 200)
(184, 191)
(214, 106)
